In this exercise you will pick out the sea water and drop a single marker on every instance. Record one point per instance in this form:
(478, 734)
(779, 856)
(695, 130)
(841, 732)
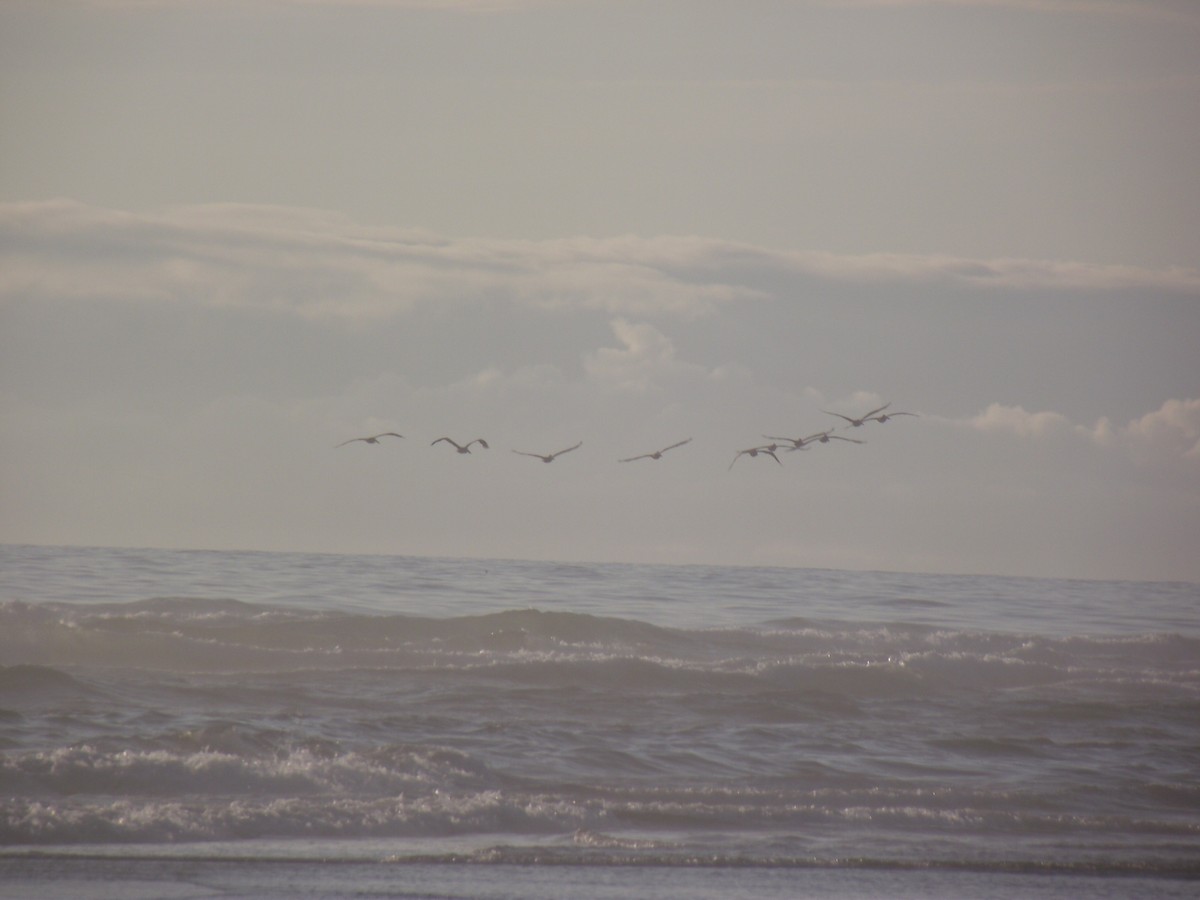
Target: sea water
(197, 724)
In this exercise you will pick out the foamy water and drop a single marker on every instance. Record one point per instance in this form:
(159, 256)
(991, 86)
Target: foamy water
(451, 712)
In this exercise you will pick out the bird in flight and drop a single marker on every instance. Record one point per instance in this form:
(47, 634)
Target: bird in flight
(657, 454)
(824, 437)
(462, 448)
(858, 422)
(885, 416)
(550, 457)
(797, 443)
(373, 439)
(755, 451)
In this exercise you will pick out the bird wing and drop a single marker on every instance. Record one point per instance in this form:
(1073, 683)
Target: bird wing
(632, 458)
(481, 442)
(673, 446)
(523, 453)
(568, 450)
(446, 439)
(839, 415)
(874, 411)
(351, 441)
(838, 437)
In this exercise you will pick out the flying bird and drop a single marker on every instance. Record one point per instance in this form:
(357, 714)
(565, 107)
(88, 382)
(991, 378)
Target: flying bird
(885, 416)
(797, 443)
(657, 454)
(755, 451)
(550, 457)
(856, 423)
(824, 437)
(373, 439)
(462, 448)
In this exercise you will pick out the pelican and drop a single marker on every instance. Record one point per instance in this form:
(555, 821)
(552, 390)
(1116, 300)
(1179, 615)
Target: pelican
(550, 457)
(462, 448)
(856, 423)
(657, 454)
(824, 437)
(754, 451)
(797, 443)
(373, 439)
(885, 416)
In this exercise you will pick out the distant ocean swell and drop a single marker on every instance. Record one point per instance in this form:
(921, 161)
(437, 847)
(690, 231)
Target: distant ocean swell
(196, 635)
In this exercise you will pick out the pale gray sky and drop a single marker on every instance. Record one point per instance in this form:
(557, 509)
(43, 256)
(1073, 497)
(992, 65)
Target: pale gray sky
(233, 235)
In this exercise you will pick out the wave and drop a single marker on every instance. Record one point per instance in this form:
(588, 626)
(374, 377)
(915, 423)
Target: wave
(853, 660)
(27, 679)
(90, 796)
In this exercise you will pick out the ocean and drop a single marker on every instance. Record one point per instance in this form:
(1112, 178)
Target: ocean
(238, 724)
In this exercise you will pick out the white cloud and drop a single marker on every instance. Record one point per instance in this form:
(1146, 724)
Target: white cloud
(1170, 432)
(647, 357)
(998, 418)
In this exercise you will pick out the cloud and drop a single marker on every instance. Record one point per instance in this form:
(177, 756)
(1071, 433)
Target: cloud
(998, 418)
(1170, 432)
(1173, 429)
(318, 264)
(646, 358)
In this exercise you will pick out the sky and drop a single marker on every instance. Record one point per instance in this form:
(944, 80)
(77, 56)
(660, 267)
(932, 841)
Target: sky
(234, 235)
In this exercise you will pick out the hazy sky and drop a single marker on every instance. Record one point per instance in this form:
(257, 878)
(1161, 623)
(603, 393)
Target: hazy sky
(235, 234)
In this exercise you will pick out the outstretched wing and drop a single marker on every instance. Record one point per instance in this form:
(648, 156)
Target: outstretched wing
(568, 450)
(673, 446)
(632, 458)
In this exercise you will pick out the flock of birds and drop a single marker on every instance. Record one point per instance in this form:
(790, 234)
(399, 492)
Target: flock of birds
(786, 444)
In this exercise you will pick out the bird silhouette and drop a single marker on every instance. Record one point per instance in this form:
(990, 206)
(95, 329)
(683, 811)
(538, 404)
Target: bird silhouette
(755, 451)
(550, 457)
(373, 439)
(462, 448)
(824, 437)
(657, 454)
(797, 443)
(856, 423)
(885, 416)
